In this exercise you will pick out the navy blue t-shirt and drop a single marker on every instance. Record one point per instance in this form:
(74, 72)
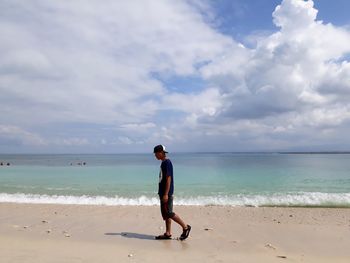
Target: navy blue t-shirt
(166, 169)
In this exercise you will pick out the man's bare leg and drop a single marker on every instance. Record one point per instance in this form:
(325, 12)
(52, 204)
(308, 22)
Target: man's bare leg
(168, 226)
(178, 220)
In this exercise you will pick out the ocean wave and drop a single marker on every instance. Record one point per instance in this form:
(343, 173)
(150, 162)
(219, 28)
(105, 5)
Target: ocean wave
(292, 199)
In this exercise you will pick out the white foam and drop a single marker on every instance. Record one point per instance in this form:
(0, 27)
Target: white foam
(295, 199)
(75, 200)
(292, 199)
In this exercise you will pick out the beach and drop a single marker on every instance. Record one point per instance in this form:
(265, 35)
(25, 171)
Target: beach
(91, 233)
(259, 207)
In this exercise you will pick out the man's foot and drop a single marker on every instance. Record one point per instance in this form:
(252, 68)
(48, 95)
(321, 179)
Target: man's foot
(185, 233)
(163, 237)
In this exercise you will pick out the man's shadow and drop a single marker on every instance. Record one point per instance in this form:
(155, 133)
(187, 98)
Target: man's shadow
(132, 235)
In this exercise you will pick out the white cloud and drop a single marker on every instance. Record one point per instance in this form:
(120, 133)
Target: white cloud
(324, 117)
(137, 126)
(93, 62)
(207, 102)
(125, 140)
(294, 15)
(93, 65)
(293, 74)
(72, 142)
(20, 136)
(290, 91)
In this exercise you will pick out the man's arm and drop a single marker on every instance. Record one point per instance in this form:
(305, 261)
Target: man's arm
(167, 188)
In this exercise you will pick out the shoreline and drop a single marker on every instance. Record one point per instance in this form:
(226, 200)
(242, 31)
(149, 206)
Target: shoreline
(182, 205)
(298, 199)
(93, 233)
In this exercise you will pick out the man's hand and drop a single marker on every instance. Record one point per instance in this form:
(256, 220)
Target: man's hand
(165, 198)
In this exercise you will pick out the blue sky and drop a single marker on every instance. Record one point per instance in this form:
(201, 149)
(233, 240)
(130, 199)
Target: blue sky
(201, 75)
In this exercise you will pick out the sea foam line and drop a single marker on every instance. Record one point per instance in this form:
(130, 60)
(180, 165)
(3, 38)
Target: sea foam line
(75, 200)
(292, 199)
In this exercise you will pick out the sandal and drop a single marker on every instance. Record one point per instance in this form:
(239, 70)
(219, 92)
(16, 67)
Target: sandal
(163, 237)
(185, 233)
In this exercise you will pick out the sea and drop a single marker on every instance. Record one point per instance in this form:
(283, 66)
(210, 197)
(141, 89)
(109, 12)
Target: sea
(224, 179)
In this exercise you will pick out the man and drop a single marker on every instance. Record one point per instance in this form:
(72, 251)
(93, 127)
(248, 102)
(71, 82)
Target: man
(165, 192)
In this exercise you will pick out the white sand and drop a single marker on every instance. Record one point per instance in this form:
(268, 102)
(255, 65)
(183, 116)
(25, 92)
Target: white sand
(62, 233)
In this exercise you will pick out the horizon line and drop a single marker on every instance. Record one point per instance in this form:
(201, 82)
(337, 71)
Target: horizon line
(190, 152)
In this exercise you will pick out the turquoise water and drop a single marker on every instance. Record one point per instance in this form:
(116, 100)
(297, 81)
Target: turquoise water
(200, 179)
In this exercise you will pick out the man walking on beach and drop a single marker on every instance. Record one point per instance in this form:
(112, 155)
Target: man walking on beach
(165, 192)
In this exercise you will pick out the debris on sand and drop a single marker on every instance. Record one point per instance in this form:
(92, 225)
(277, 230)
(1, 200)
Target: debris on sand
(268, 245)
(281, 256)
(66, 234)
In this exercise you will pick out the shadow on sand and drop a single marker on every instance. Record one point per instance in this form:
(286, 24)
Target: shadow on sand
(132, 235)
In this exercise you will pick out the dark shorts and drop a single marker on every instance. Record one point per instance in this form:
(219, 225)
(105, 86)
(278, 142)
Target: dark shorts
(167, 208)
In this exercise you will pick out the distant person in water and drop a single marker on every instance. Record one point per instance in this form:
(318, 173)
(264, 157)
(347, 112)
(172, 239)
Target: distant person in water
(165, 192)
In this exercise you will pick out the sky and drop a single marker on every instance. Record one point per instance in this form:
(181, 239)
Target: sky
(197, 76)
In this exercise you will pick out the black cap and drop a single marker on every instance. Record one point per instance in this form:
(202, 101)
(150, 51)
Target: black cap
(159, 148)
